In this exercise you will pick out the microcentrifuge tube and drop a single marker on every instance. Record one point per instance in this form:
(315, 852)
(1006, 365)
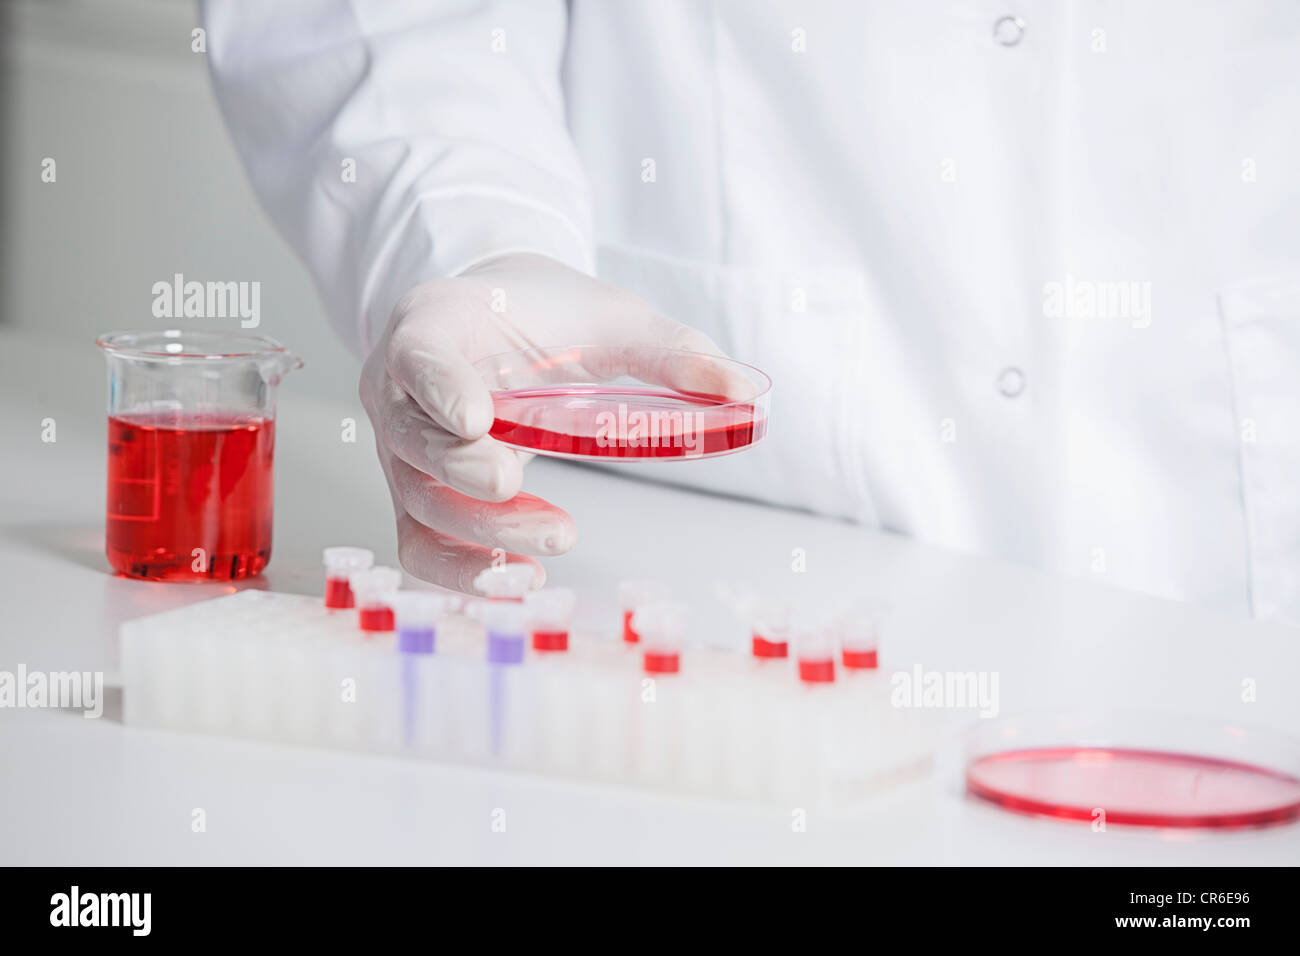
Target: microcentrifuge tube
(505, 582)
(859, 640)
(507, 625)
(416, 614)
(814, 649)
(656, 750)
(550, 613)
(770, 629)
(659, 627)
(373, 590)
(634, 595)
(339, 565)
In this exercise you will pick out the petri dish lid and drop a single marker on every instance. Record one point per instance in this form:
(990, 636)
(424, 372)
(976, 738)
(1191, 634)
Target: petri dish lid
(1136, 768)
(619, 403)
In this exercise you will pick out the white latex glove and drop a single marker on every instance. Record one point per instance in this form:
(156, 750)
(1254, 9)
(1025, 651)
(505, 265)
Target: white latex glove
(455, 490)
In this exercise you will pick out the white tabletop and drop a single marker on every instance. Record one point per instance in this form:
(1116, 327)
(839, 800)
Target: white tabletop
(78, 791)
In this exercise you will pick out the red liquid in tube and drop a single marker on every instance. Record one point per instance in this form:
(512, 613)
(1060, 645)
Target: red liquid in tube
(338, 593)
(769, 649)
(662, 662)
(550, 640)
(860, 660)
(376, 619)
(817, 671)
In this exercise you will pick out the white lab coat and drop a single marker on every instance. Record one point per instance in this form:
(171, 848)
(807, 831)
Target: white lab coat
(1026, 274)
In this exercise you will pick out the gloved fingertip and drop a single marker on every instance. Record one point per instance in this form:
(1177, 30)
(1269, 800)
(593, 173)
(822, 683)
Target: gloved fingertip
(563, 538)
(504, 481)
(470, 416)
(484, 473)
(478, 418)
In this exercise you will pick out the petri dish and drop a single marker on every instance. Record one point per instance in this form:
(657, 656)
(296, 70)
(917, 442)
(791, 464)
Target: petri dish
(1135, 769)
(610, 403)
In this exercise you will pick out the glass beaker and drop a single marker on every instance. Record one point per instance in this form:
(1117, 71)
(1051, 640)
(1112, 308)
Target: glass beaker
(191, 438)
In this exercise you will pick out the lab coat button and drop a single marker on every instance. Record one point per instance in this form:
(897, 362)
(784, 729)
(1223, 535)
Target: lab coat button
(1009, 30)
(1011, 382)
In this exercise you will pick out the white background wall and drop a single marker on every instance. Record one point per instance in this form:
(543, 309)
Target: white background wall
(148, 185)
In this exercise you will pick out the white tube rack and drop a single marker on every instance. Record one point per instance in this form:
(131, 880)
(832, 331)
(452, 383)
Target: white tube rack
(281, 667)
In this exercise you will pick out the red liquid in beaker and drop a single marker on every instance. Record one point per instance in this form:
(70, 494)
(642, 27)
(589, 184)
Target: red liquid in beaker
(623, 422)
(189, 499)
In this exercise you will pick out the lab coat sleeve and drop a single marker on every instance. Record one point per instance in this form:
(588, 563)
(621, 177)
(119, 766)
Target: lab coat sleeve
(396, 141)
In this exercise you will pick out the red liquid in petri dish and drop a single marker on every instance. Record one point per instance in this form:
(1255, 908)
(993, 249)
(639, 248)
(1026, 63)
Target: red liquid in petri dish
(1135, 787)
(641, 422)
(178, 484)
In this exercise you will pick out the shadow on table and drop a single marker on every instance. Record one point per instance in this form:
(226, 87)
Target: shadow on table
(81, 544)
(112, 707)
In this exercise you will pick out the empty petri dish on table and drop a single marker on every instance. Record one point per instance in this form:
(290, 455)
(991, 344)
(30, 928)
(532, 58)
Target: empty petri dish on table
(609, 403)
(1136, 769)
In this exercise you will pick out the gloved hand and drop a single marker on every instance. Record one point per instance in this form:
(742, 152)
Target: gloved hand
(455, 490)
